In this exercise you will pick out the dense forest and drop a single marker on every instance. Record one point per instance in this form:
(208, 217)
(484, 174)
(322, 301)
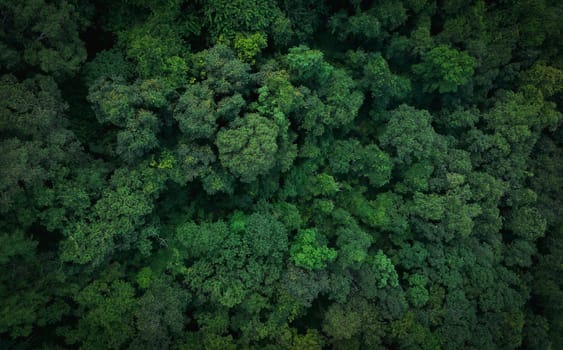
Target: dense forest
(281, 174)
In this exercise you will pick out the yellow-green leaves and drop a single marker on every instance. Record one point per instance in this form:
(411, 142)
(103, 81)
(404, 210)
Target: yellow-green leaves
(309, 251)
(248, 47)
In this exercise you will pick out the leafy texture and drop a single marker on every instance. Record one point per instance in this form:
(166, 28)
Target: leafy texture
(281, 174)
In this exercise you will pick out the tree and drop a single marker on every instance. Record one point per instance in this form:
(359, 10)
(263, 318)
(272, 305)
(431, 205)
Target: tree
(225, 18)
(107, 64)
(368, 161)
(229, 263)
(224, 74)
(115, 218)
(373, 74)
(361, 25)
(27, 277)
(353, 246)
(288, 174)
(107, 315)
(444, 69)
(248, 148)
(133, 109)
(417, 293)
(547, 79)
(196, 112)
(307, 66)
(159, 318)
(383, 270)
(248, 46)
(308, 250)
(38, 149)
(409, 134)
(42, 36)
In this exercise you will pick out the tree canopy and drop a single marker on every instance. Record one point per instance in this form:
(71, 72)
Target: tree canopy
(281, 174)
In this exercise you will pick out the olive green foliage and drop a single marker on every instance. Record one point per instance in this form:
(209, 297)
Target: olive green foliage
(281, 174)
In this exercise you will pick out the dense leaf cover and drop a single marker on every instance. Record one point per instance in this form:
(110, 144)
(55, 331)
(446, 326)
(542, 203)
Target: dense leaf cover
(281, 174)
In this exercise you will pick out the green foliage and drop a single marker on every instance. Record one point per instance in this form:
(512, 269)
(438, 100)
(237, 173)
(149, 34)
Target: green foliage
(42, 36)
(417, 176)
(527, 223)
(195, 112)
(444, 69)
(429, 207)
(384, 270)
(374, 75)
(417, 293)
(353, 246)
(156, 44)
(387, 214)
(107, 64)
(229, 264)
(248, 46)
(369, 161)
(107, 320)
(159, 316)
(547, 79)
(289, 174)
(129, 107)
(410, 135)
(307, 65)
(224, 17)
(20, 309)
(361, 25)
(248, 147)
(308, 250)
